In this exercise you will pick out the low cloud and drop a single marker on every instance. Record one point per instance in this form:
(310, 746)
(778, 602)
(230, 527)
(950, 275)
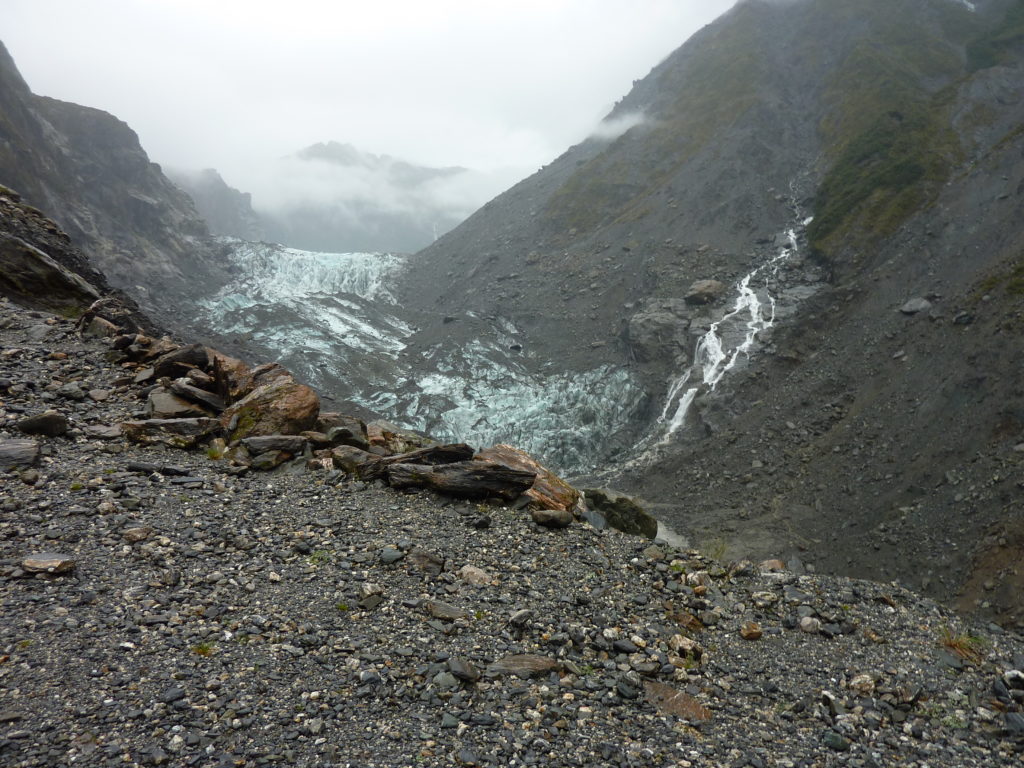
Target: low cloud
(613, 127)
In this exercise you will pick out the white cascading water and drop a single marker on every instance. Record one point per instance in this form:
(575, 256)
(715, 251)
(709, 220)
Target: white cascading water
(720, 348)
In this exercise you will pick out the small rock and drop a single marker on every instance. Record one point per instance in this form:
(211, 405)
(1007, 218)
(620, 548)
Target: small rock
(751, 630)
(916, 305)
(443, 611)
(836, 742)
(390, 555)
(810, 625)
(474, 575)
(137, 534)
(464, 669)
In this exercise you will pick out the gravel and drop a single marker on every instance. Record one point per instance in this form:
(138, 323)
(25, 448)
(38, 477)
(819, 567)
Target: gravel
(200, 617)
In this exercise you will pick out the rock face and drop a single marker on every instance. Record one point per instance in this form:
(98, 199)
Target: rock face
(225, 209)
(87, 170)
(30, 273)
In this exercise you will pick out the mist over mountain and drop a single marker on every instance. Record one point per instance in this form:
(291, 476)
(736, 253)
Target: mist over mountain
(332, 197)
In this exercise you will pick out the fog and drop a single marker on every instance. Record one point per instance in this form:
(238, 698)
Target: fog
(500, 88)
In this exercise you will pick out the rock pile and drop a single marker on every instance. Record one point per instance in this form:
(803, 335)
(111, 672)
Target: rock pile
(169, 607)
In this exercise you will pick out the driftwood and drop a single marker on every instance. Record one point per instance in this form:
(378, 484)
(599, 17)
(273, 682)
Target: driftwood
(466, 479)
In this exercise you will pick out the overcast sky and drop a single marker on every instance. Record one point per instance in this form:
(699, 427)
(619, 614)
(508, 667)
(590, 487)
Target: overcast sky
(231, 84)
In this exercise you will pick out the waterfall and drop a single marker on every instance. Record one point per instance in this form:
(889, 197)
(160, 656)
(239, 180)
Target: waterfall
(731, 337)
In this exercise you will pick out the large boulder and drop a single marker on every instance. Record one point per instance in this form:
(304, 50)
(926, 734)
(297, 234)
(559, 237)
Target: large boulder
(659, 331)
(548, 491)
(622, 512)
(281, 406)
(705, 291)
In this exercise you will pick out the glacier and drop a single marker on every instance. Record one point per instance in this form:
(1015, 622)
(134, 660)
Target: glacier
(331, 319)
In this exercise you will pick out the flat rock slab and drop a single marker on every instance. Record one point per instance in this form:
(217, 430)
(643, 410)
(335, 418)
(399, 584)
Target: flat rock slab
(675, 702)
(18, 453)
(48, 562)
(177, 433)
(523, 665)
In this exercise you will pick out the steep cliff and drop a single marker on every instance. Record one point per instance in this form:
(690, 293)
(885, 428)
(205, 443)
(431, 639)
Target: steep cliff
(86, 169)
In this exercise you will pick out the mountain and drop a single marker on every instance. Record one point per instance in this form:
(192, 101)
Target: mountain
(87, 170)
(226, 210)
(869, 440)
(333, 197)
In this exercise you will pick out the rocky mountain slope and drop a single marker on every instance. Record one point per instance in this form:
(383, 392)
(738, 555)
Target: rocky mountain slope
(874, 441)
(177, 606)
(86, 169)
(226, 210)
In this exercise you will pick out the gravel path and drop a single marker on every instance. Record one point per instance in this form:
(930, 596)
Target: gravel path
(196, 617)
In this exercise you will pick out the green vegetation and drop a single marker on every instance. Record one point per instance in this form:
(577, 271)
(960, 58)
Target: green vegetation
(967, 647)
(1011, 281)
(712, 91)
(319, 557)
(204, 649)
(995, 46)
(342, 607)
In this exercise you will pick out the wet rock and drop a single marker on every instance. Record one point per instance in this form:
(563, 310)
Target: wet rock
(704, 291)
(49, 423)
(622, 512)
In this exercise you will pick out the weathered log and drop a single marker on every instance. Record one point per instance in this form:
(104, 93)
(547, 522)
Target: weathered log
(178, 362)
(549, 491)
(368, 466)
(466, 479)
(184, 388)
